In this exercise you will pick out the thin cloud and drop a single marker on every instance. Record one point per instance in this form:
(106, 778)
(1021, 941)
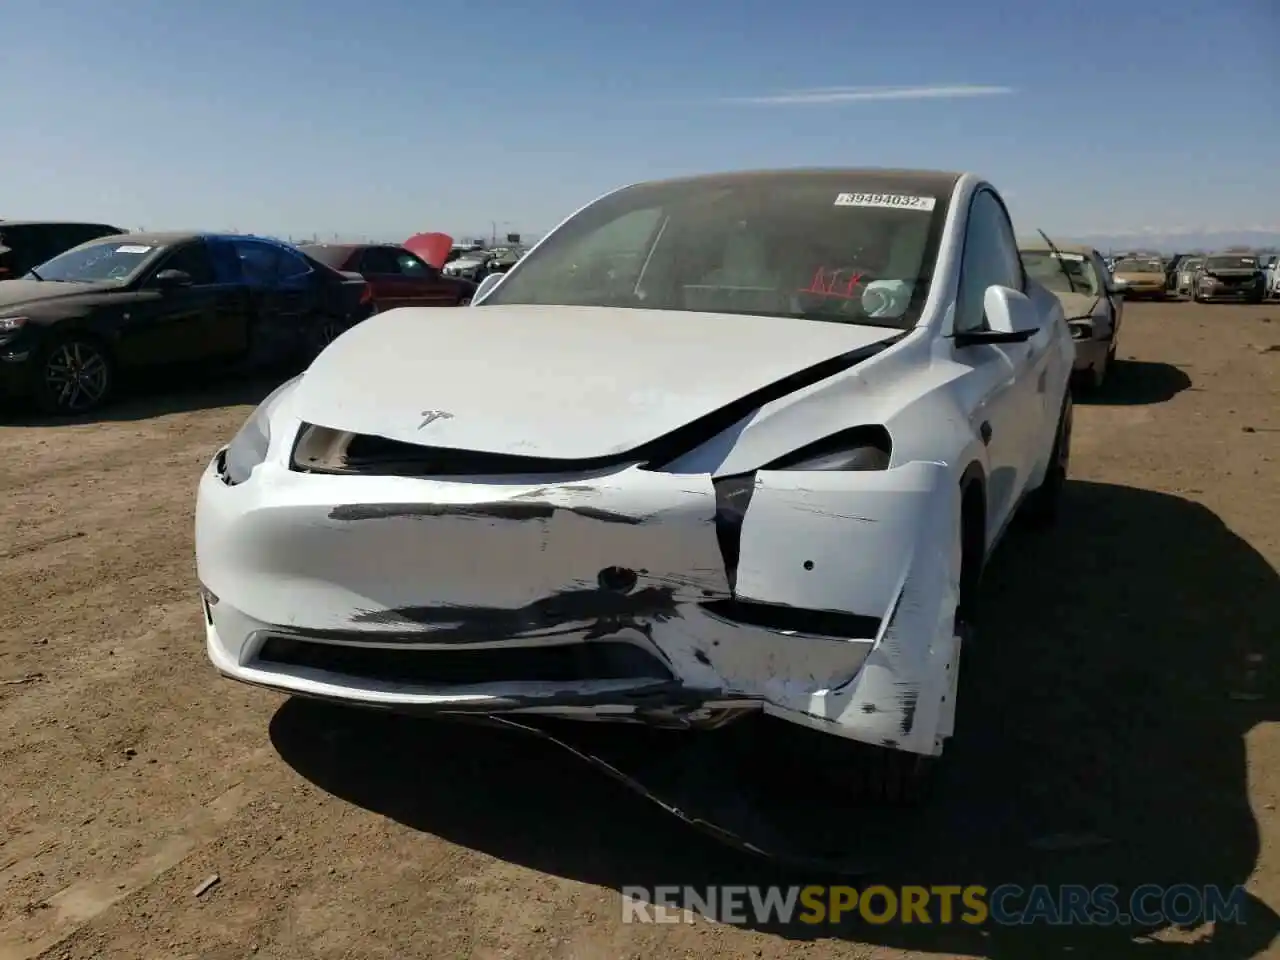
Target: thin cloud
(860, 94)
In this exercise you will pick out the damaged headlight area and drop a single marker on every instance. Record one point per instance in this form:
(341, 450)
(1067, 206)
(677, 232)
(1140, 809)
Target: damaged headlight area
(248, 448)
(867, 447)
(1081, 328)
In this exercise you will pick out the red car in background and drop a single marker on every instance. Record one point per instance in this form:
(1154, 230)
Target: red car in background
(397, 276)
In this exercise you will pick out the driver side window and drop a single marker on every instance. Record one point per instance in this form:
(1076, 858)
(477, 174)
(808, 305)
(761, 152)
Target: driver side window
(192, 259)
(990, 258)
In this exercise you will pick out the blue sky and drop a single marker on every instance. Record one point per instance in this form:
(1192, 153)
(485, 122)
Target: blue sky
(387, 117)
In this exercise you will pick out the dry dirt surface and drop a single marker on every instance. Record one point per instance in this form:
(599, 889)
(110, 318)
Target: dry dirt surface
(1123, 691)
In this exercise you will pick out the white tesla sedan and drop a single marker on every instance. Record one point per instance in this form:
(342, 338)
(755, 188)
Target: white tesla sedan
(716, 446)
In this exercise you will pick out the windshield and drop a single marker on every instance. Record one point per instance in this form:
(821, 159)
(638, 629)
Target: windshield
(1231, 263)
(789, 245)
(1191, 264)
(1140, 266)
(97, 263)
(1048, 268)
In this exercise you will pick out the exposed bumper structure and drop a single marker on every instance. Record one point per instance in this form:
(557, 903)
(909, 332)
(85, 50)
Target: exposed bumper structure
(640, 595)
(1090, 353)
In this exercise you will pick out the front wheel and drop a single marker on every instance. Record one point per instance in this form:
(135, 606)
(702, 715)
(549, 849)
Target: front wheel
(76, 376)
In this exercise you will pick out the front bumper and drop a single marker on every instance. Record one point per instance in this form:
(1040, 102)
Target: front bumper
(1090, 353)
(604, 598)
(17, 369)
(1230, 292)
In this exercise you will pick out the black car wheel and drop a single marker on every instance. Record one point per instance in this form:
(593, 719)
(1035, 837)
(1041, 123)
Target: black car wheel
(76, 376)
(321, 332)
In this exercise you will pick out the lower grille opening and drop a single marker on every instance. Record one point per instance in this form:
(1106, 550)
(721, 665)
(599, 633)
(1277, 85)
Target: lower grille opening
(564, 663)
(777, 616)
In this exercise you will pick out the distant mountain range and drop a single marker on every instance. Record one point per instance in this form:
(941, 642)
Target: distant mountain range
(1183, 241)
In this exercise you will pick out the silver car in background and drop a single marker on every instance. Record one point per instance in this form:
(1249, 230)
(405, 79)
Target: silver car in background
(1091, 298)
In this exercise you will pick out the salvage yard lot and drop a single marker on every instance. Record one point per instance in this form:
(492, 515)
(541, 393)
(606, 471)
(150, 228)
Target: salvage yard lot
(1123, 691)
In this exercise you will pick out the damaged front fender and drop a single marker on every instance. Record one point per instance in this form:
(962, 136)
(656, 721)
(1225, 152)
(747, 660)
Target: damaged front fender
(885, 542)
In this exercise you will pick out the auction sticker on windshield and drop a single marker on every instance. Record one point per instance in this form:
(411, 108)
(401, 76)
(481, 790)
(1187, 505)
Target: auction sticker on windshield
(889, 201)
(133, 248)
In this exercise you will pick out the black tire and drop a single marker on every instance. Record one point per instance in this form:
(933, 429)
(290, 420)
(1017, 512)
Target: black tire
(75, 375)
(321, 331)
(1042, 505)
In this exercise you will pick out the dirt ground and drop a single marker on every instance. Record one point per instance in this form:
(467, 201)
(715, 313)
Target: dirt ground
(1124, 688)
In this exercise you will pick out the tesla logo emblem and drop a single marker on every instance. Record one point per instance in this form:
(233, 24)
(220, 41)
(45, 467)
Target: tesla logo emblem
(431, 416)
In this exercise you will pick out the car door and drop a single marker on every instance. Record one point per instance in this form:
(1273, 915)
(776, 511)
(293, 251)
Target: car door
(281, 286)
(380, 266)
(423, 286)
(203, 321)
(1004, 389)
(1111, 301)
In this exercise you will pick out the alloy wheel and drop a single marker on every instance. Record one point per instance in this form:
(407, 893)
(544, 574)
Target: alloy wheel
(77, 376)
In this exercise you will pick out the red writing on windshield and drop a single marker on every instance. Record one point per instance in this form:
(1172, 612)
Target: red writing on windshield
(830, 283)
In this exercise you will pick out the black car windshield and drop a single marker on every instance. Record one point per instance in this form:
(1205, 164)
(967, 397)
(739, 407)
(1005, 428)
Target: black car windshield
(116, 261)
(1052, 270)
(1139, 266)
(1231, 263)
(789, 245)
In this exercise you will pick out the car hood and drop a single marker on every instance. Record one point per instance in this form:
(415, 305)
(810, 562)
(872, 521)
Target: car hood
(555, 382)
(1143, 277)
(431, 247)
(24, 293)
(1076, 304)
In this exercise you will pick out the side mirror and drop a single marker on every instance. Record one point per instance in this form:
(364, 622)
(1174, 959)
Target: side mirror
(486, 286)
(172, 279)
(1011, 318)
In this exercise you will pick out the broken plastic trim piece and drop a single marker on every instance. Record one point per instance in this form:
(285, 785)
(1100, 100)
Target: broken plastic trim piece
(697, 785)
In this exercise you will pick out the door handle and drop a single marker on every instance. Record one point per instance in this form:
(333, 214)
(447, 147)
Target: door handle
(984, 431)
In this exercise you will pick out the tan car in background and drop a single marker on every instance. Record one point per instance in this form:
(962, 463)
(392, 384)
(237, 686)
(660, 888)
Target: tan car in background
(1144, 277)
(1092, 302)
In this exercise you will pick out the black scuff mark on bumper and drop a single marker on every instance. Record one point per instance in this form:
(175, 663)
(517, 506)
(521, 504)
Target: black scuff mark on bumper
(599, 611)
(504, 510)
(908, 700)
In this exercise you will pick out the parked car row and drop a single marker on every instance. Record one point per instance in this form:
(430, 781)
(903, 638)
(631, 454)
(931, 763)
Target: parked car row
(82, 304)
(1231, 275)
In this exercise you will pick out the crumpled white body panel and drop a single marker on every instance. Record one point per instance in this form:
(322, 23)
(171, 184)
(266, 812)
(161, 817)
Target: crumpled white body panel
(424, 566)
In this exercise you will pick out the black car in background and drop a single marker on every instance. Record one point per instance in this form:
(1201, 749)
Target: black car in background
(1231, 276)
(146, 300)
(28, 243)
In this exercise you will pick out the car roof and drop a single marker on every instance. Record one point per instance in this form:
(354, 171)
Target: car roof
(56, 223)
(938, 183)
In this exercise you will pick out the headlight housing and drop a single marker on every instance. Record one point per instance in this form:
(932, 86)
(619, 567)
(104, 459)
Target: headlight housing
(1081, 328)
(12, 324)
(248, 448)
(860, 448)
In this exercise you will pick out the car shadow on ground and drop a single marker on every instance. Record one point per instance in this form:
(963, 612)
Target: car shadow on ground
(1103, 711)
(1136, 382)
(161, 394)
